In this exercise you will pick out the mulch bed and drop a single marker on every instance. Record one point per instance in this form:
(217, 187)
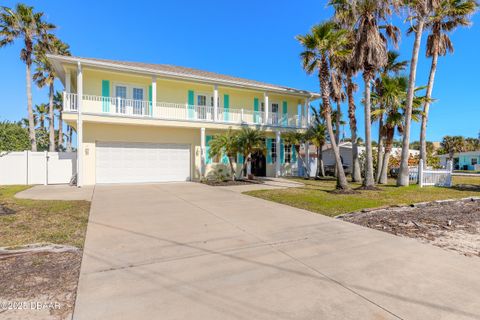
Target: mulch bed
(216, 183)
(451, 224)
(45, 277)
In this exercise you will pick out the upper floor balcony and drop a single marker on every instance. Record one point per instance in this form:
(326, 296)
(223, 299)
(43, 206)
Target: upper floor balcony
(116, 106)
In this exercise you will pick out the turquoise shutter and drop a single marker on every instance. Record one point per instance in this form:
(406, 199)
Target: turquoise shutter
(208, 160)
(240, 158)
(105, 95)
(282, 152)
(294, 154)
(226, 106)
(269, 150)
(255, 110)
(285, 113)
(191, 104)
(150, 100)
(224, 158)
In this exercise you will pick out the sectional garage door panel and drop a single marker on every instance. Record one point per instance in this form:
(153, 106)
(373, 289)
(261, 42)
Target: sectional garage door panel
(126, 162)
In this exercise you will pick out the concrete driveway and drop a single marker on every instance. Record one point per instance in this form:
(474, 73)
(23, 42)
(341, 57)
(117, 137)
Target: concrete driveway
(190, 251)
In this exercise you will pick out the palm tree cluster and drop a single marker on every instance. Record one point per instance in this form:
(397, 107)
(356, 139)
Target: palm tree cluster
(232, 143)
(23, 24)
(360, 38)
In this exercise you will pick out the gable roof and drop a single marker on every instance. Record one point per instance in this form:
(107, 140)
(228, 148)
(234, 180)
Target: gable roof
(177, 72)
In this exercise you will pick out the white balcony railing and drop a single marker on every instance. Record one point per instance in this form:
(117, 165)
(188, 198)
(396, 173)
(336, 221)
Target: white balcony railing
(176, 111)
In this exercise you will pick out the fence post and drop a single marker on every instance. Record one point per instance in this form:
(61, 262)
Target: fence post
(420, 173)
(27, 162)
(450, 169)
(46, 169)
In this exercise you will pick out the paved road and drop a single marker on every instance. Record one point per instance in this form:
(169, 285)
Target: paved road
(189, 251)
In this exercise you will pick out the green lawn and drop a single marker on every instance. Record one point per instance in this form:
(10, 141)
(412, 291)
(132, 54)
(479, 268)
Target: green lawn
(316, 195)
(59, 222)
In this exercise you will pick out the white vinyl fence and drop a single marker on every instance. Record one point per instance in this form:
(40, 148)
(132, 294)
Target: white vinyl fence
(435, 177)
(28, 167)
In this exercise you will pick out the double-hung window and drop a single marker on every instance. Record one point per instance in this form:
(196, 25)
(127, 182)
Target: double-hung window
(274, 151)
(474, 161)
(288, 153)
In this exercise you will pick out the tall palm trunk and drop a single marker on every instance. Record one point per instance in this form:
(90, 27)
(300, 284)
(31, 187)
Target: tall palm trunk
(69, 139)
(380, 150)
(356, 174)
(60, 130)
(403, 175)
(426, 107)
(320, 166)
(389, 134)
(52, 119)
(368, 181)
(31, 122)
(383, 179)
(325, 91)
(337, 123)
(232, 169)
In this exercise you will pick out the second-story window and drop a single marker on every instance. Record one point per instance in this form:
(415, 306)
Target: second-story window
(274, 113)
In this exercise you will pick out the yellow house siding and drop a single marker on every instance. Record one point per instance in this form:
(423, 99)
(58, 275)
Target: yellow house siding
(174, 91)
(94, 132)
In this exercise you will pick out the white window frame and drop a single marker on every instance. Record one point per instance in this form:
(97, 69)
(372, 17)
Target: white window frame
(273, 151)
(130, 87)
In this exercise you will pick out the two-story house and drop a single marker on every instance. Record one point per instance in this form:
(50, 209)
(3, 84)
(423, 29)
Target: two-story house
(140, 122)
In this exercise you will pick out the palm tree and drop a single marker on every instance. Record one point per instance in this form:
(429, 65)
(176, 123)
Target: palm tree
(370, 54)
(226, 143)
(420, 10)
(393, 66)
(325, 43)
(345, 17)
(296, 139)
(45, 74)
(250, 141)
(452, 145)
(23, 23)
(338, 96)
(70, 130)
(317, 134)
(42, 114)
(447, 16)
(58, 105)
(391, 106)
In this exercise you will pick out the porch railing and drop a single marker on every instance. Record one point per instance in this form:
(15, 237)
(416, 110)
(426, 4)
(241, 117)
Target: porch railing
(176, 111)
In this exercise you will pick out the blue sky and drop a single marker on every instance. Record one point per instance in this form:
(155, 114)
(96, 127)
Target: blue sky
(251, 39)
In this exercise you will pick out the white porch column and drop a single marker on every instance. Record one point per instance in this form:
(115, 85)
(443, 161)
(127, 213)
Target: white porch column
(307, 112)
(154, 95)
(278, 160)
(307, 159)
(215, 103)
(203, 152)
(79, 126)
(68, 82)
(265, 102)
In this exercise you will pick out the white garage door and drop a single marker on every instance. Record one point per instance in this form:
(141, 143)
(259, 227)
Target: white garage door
(126, 162)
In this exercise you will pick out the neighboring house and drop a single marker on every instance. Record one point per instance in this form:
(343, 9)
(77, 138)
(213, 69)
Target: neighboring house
(463, 161)
(139, 122)
(346, 154)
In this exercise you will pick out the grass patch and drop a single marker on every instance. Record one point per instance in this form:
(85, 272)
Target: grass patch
(59, 222)
(316, 195)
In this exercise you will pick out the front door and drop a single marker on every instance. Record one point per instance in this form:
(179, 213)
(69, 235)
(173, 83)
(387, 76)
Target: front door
(259, 164)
